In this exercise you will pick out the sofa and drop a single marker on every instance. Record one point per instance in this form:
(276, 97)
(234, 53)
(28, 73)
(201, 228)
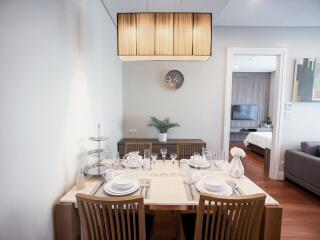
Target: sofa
(303, 166)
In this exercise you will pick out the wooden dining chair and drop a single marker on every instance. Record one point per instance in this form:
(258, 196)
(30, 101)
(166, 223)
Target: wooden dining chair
(226, 218)
(137, 146)
(185, 150)
(118, 218)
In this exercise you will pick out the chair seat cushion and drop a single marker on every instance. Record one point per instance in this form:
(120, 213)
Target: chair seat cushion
(188, 221)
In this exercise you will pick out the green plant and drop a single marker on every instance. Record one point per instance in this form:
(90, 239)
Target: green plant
(268, 121)
(162, 125)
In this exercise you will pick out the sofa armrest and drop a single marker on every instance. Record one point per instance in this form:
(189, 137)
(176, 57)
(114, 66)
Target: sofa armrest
(302, 166)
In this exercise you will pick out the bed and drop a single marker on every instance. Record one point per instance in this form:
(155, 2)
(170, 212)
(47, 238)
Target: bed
(260, 142)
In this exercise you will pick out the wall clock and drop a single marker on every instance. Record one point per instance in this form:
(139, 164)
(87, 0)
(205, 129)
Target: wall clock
(174, 79)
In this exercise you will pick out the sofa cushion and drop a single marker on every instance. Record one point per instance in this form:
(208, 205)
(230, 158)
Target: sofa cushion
(310, 147)
(318, 153)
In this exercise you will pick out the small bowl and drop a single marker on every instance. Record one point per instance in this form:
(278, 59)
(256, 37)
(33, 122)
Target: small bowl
(123, 181)
(214, 184)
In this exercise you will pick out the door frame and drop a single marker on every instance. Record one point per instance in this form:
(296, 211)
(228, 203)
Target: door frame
(281, 54)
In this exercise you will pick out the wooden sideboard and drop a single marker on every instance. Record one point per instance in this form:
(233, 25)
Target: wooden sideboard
(171, 144)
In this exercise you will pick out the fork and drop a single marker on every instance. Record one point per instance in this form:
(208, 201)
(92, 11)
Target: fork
(235, 187)
(142, 187)
(147, 186)
(190, 189)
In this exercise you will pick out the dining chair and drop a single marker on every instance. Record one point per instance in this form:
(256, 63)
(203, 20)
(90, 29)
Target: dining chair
(114, 218)
(186, 150)
(137, 146)
(227, 218)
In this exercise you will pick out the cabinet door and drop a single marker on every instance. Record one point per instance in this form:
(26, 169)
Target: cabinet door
(202, 34)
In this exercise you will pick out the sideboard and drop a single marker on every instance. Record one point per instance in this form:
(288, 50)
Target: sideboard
(171, 145)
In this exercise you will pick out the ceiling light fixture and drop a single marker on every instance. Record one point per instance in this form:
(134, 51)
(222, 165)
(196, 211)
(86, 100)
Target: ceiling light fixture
(164, 36)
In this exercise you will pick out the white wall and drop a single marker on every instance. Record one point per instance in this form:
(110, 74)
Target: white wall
(199, 104)
(59, 76)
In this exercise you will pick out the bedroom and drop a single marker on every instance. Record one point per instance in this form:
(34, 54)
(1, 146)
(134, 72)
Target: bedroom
(252, 104)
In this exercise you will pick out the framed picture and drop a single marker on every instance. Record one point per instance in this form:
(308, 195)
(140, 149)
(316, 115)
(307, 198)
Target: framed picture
(306, 86)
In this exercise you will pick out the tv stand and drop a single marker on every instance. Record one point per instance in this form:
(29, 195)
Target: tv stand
(239, 134)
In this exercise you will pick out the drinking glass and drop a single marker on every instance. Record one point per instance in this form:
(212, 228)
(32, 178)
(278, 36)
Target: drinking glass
(196, 158)
(173, 157)
(163, 152)
(116, 160)
(219, 160)
(146, 159)
(208, 155)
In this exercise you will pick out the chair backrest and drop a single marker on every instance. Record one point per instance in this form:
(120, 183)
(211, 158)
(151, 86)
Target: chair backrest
(229, 217)
(137, 146)
(105, 218)
(185, 150)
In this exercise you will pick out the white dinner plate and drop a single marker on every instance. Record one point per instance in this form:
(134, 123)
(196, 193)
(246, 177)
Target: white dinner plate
(110, 189)
(226, 191)
(199, 164)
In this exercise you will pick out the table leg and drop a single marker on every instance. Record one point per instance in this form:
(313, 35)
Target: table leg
(66, 222)
(271, 223)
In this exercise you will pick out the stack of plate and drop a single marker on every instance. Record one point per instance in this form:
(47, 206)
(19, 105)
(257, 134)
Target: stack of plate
(122, 185)
(198, 162)
(133, 163)
(214, 185)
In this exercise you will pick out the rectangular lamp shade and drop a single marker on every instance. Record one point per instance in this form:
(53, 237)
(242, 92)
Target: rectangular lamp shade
(164, 36)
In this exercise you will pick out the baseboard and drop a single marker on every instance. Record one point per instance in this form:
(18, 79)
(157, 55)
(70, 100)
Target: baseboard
(281, 176)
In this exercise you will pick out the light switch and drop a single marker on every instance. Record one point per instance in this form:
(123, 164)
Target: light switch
(132, 131)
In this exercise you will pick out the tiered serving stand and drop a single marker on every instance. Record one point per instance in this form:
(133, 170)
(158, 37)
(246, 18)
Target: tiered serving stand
(98, 168)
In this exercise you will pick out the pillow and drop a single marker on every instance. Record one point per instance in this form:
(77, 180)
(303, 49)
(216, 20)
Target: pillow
(310, 147)
(318, 152)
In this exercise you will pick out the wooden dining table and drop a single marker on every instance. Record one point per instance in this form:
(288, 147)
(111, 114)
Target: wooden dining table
(168, 191)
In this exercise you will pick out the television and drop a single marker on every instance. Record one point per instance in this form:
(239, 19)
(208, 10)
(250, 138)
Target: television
(245, 112)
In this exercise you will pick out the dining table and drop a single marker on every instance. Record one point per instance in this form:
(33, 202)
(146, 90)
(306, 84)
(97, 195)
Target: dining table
(164, 188)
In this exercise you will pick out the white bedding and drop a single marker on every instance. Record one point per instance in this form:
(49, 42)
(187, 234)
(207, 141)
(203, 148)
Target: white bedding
(261, 139)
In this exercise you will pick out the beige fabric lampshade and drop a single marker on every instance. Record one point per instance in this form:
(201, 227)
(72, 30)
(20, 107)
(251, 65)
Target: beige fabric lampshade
(164, 36)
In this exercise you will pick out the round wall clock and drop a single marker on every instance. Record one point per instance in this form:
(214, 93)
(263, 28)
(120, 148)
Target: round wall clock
(174, 79)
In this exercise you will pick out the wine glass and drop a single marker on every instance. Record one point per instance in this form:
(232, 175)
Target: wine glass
(173, 157)
(163, 152)
(154, 157)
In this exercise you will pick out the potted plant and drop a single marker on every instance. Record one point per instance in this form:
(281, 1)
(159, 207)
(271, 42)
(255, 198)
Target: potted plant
(162, 126)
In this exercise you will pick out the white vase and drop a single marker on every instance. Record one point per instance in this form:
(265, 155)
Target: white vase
(236, 168)
(163, 137)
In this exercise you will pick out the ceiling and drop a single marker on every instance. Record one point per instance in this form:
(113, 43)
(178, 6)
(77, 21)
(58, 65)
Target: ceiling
(274, 13)
(254, 63)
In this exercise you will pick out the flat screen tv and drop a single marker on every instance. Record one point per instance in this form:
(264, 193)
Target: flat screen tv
(245, 112)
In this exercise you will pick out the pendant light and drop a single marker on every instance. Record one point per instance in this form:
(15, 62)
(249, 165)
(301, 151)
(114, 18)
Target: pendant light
(164, 36)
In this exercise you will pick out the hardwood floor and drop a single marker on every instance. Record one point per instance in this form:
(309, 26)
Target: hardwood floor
(301, 209)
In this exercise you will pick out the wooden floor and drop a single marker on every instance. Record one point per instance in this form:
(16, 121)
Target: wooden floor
(301, 209)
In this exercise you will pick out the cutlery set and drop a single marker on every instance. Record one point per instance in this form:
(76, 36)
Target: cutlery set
(145, 186)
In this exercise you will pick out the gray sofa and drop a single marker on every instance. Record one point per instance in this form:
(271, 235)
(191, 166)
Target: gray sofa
(303, 166)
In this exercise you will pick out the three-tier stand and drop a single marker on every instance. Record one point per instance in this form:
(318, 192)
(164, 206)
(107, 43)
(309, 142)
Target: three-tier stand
(98, 168)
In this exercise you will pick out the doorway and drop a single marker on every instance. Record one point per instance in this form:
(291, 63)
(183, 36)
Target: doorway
(250, 111)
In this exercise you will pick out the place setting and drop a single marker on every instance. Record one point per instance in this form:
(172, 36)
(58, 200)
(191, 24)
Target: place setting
(210, 184)
(123, 185)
